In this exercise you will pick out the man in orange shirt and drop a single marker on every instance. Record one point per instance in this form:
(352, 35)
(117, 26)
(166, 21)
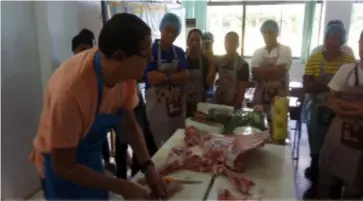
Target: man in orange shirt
(81, 101)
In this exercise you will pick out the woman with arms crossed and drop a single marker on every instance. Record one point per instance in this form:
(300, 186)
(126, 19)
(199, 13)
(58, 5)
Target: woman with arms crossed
(201, 73)
(164, 79)
(80, 104)
(233, 74)
(319, 70)
(270, 68)
(341, 155)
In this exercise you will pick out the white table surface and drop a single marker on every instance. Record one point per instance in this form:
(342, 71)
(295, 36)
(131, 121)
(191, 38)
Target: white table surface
(190, 191)
(270, 168)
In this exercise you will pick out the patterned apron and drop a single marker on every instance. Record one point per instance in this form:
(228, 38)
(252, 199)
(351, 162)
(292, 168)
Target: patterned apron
(342, 153)
(266, 91)
(165, 104)
(194, 88)
(226, 91)
(321, 116)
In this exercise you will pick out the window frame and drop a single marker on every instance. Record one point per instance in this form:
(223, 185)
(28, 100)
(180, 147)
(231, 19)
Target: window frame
(244, 5)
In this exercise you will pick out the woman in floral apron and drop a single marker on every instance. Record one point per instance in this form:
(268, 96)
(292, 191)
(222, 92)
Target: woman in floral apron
(319, 70)
(344, 48)
(201, 73)
(341, 157)
(164, 81)
(233, 72)
(270, 68)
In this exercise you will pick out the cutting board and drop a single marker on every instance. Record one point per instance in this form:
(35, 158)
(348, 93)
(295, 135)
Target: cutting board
(205, 107)
(270, 168)
(212, 127)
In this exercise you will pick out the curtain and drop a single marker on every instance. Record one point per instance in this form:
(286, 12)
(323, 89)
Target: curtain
(150, 13)
(308, 29)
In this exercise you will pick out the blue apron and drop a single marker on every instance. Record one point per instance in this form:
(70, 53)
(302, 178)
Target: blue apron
(88, 154)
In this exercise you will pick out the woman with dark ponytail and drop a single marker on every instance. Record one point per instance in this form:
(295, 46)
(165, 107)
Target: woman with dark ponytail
(83, 41)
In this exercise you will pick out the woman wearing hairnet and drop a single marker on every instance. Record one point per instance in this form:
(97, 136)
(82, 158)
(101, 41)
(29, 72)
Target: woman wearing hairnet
(344, 48)
(319, 70)
(270, 68)
(207, 45)
(207, 51)
(164, 78)
(341, 155)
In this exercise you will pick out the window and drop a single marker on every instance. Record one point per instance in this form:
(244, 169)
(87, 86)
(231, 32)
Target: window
(356, 27)
(290, 17)
(221, 20)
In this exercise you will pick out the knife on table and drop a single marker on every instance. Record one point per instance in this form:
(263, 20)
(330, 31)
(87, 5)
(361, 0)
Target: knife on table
(181, 181)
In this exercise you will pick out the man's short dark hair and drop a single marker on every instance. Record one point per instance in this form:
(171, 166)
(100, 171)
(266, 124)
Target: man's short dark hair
(124, 32)
(194, 30)
(335, 22)
(233, 36)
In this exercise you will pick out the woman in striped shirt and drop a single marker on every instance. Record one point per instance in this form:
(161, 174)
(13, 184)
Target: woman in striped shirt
(320, 68)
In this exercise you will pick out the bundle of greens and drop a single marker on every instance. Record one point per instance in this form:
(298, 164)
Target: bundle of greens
(246, 118)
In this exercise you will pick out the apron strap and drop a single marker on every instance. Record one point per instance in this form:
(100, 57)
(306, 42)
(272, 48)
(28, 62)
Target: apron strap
(97, 67)
(357, 81)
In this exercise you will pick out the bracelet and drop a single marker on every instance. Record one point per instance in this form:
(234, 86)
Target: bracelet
(146, 165)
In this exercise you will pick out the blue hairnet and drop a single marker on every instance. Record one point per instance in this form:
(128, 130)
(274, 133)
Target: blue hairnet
(270, 25)
(170, 20)
(335, 22)
(336, 30)
(207, 36)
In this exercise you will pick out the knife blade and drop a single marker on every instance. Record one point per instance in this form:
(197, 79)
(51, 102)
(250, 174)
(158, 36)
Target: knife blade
(186, 181)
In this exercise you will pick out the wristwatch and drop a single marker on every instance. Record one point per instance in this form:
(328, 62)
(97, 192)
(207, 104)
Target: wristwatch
(147, 164)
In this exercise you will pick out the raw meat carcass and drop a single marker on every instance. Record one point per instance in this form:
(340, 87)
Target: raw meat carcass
(220, 155)
(228, 150)
(225, 194)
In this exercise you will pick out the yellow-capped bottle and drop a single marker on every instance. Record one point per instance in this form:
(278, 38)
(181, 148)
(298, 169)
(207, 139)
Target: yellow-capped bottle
(280, 119)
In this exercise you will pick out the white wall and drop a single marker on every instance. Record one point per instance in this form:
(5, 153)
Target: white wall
(21, 98)
(35, 39)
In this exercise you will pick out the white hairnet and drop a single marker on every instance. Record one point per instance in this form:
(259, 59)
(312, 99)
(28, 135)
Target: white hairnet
(208, 36)
(336, 30)
(270, 25)
(170, 20)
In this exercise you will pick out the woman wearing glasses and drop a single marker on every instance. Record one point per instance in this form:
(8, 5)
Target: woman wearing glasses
(164, 78)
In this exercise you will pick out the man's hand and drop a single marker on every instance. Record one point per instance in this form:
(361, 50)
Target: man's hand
(134, 191)
(155, 183)
(156, 77)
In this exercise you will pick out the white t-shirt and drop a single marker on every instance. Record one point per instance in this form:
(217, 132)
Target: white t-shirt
(338, 81)
(345, 48)
(285, 56)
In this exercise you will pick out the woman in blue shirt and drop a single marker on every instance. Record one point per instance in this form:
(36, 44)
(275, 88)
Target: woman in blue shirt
(164, 78)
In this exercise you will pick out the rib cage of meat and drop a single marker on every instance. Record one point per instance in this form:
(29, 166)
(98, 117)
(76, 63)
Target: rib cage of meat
(219, 155)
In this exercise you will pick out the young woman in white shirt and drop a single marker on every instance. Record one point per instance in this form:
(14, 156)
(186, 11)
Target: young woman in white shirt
(341, 157)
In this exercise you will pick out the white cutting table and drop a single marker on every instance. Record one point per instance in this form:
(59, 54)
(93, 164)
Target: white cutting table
(190, 191)
(270, 167)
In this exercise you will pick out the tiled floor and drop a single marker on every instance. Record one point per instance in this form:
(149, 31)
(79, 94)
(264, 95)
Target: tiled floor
(301, 183)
